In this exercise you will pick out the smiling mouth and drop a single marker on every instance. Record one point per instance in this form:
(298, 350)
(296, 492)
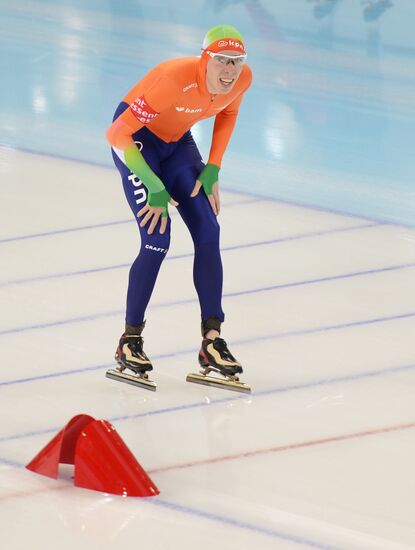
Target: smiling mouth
(226, 81)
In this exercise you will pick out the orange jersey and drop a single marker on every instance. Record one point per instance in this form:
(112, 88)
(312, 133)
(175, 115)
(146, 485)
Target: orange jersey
(172, 97)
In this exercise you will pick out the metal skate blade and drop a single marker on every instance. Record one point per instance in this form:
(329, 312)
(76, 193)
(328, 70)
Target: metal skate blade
(133, 379)
(222, 383)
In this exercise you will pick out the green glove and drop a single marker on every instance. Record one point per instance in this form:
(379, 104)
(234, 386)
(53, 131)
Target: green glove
(208, 177)
(160, 199)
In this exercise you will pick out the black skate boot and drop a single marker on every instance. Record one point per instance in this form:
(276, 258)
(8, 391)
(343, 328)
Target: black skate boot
(130, 355)
(214, 356)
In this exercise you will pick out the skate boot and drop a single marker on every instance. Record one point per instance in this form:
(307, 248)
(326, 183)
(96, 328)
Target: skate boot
(214, 356)
(130, 355)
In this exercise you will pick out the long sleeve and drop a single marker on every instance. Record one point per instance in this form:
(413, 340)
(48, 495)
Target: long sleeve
(160, 94)
(149, 101)
(225, 123)
(222, 130)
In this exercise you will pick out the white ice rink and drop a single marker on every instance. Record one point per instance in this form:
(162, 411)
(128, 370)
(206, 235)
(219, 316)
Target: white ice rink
(319, 281)
(320, 311)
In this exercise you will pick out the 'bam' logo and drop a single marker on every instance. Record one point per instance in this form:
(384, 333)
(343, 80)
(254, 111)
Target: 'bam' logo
(189, 111)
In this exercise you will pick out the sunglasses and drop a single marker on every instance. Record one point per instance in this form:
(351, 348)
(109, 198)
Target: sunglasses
(223, 59)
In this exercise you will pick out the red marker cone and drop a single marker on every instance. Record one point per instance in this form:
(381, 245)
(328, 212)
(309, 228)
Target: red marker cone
(102, 460)
(61, 449)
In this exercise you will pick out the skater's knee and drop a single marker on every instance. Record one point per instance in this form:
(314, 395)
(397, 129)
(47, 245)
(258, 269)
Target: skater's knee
(156, 243)
(207, 231)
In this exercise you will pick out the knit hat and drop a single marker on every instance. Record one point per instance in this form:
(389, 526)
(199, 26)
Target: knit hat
(224, 37)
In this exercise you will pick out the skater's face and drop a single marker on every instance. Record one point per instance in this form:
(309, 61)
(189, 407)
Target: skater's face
(222, 71)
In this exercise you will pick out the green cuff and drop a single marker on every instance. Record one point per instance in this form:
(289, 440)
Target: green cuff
(159, 199)
(208, 177)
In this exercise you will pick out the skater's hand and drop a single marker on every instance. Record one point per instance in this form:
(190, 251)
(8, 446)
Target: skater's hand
(155, 209)
(208, 179)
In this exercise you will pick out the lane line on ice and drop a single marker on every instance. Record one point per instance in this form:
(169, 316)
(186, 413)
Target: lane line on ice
(55, 232)
(231, 398)
(178, 507)
(272, 391)
(227, 520)
(246, 341)
(63, 231)
(244, 525)
(183, 509)
(246, 292)
(279, 240)
(282, 448)
(62, 485)
(228, 189)
(193, 351)
(318, 280)
(13, 464)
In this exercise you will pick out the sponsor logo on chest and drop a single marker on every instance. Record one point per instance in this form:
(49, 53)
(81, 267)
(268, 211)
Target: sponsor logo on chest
(190, 86)
(142, 110)
(189, 111)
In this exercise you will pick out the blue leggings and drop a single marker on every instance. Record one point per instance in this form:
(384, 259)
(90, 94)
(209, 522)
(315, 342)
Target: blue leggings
(177, 164)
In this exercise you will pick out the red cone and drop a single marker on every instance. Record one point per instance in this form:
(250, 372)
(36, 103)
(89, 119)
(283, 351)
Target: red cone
(102, 460)
(61, 449)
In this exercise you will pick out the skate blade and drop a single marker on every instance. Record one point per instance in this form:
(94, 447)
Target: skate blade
(133, 379)
(222, 383)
